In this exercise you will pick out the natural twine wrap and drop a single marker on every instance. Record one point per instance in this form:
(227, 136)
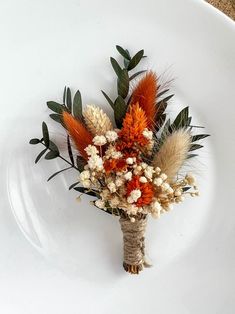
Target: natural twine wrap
(133, 244)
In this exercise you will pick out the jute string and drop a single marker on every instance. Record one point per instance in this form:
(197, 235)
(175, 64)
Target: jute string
(133, 238)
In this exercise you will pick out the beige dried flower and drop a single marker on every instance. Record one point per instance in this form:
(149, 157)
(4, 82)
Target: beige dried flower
(97, 120)
(173, 153)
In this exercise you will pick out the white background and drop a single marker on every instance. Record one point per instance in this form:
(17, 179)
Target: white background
(72, 261)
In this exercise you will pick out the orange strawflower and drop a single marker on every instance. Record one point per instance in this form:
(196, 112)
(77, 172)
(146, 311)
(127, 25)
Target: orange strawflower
(145, 93)
(114, 165)
(146, 189)
(133, 126)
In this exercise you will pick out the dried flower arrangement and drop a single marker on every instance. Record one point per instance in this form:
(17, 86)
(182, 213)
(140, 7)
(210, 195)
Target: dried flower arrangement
(132, 169)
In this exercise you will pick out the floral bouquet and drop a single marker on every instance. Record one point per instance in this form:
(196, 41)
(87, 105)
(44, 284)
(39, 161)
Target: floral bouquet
(130, 168)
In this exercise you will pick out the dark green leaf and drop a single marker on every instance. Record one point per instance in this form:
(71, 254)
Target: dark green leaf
(123, 52)
(34, 141)
(195, 146)
(135, 60)
(181, 119)
(55, 174)
(69, 99)
(54, 106)
(199, 137)
(64, 95)
(45, 134)
(186, 188)
(70, 150)
(160, 121)
(191, 156)
(189, 121)
(51, 155)
(119, 110)
(81, 162)
(126, 63)
(73, 185)
(116, 66)
(166, 99)
(77, 105)
(108, 99)
(136, 74)
(123, 84)
(40, 155)
(56, 117)
(85, 191)
(53, 147)
(163, 92)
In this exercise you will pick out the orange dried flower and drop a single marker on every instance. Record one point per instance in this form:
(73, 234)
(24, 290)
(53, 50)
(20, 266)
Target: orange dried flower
(145, 93)
(133, 126)
(78, 132)
(147, 191)
(114, 165)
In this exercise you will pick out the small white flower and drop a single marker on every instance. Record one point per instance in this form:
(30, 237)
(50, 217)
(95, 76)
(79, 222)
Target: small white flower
(99, 140)
(178, 193)
(132, 219)
(170, 190)
(158, 181)
(129, 161)
(165, 186)
(163, 176)
(156, 206)
(135, 195)
(112, 187)
(143, 179)
(84, 175)
(148, 134)
(86, 183)
(95, 162)
(111, 136)
(119, 182)
(190, 179)
(157, 170)
(100, 203)
(91, 150)
(148, 172)
(143, 165)
(128, 176)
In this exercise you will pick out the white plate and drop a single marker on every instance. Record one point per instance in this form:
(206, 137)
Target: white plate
(46, 45)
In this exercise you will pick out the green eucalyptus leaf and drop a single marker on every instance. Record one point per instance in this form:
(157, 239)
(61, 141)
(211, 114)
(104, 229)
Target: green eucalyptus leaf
(34, 141)
(108, 99)
(73, 185)
(69, 99)
(116, 66)
(81, 162)
(136, 74)
(40, 155)
(45, 134)
(54, 106)
(181, 119)
(70, 150)
(119, 110)
(123, 52)
(135, 60)
(77, 105)
(56, 117)
(123, 84)
(55, 174)
(198, 137)
(53, 147)
(51, 155)
(64, 95)
(195, 146)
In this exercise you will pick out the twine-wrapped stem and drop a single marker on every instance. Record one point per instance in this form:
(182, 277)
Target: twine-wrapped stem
(133, 244)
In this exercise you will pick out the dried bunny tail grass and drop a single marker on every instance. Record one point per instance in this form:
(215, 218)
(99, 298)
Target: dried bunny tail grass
(173, 153)
(78, 132)
(97, 120)
(145, 93)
